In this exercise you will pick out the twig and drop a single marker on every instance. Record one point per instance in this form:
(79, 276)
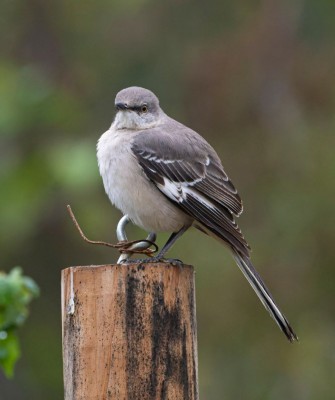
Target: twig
(123, 246)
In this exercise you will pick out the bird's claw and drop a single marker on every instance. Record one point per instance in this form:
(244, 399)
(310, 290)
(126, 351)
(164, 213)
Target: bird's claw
(121, 235)
(151, 260)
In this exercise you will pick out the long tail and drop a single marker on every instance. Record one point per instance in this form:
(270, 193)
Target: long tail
(263, 293)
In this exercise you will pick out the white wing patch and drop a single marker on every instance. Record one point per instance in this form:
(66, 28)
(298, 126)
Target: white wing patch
(172, 190)
(178, 191)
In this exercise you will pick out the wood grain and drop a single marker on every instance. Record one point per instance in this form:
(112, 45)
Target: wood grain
(130, 333)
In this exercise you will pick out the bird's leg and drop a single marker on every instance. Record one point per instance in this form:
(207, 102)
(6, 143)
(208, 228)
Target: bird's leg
(120, 229)
(171, 241)
(122, 236)
(160, 256)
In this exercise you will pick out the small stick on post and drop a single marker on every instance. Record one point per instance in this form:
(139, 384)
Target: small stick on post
(123, 246)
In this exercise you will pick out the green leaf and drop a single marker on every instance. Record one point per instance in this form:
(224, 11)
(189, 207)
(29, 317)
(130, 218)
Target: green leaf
(16, 292)
(9, 351)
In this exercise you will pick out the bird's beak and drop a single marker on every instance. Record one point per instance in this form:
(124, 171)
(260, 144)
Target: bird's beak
(121, 106)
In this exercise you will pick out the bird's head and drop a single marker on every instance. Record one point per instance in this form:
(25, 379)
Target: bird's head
(137, 108)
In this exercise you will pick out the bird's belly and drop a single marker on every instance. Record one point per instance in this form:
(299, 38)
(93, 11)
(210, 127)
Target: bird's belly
(131, 192)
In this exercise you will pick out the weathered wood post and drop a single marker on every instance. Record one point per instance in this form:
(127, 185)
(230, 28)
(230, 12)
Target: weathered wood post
(129, 332)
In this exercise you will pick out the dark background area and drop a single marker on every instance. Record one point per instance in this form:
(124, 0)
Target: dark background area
(257, 80)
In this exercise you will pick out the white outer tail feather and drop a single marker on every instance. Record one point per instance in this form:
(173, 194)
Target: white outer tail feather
(262, 292)
(256, 282)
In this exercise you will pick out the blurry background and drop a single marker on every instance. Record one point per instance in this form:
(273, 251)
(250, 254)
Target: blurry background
(257, 80)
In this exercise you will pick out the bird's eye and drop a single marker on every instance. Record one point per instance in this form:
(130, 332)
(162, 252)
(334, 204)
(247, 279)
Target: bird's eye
(144, 108)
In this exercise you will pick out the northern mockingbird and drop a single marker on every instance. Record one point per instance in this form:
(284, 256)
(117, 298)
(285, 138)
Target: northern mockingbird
(166, 177)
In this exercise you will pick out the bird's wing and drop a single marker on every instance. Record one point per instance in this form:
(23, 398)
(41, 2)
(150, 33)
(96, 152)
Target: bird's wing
(186, 169)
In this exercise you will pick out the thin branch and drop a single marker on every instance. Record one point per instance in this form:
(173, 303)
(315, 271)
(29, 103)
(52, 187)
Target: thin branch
(123, 246)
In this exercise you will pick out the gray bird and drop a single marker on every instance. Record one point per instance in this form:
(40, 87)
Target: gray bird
(167, 178)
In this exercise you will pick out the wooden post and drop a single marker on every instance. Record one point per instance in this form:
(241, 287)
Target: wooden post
(129, 332)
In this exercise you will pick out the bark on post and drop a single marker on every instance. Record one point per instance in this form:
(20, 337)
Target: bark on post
(129, 332)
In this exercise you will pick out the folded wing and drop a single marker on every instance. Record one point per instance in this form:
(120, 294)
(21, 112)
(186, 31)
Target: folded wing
(189, 173)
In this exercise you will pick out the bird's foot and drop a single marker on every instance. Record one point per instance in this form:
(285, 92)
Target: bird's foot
(172, 261)
(151, 260)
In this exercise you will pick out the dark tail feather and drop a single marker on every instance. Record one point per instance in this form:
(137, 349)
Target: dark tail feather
(264, 295)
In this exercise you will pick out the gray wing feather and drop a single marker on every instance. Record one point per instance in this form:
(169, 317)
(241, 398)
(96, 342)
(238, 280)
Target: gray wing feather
(187, 170)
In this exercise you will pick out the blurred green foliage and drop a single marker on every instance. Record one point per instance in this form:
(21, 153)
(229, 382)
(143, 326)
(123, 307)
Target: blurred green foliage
(256, 79)
(16, 292)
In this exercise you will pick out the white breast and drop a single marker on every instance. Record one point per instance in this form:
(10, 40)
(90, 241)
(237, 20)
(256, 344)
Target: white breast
(130, 190)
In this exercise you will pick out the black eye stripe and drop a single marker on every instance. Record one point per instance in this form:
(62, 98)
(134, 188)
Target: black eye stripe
(137, 108)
